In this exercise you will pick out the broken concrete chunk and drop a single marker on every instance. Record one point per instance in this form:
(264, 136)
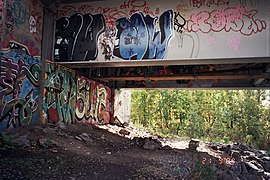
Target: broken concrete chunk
(124, 132)
(85, 137)
(20, 141)
(47, 143)
(151, 144)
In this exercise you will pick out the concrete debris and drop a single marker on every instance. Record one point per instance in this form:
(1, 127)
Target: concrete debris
(20, 141)
(60, 125)
(152, 144)
(249, 162)
(47, 143)
(78, 138)
(124, 132)
(85, 137)
(118, 121)
(147, 143)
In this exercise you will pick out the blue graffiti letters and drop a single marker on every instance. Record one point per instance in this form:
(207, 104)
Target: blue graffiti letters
(138, 37)
(19, 88)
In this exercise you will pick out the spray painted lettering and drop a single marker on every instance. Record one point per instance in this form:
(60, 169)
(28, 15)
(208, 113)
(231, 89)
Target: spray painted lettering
(59, 94)
(19, 82)
(9, 21)
(209, 3)
(92, 105)
(137, 37)
(136, 6)
(234, 43)
(70, 98)
(77, 37)
(252, 2)
(179, 22)
(19, 12)
(237, 19)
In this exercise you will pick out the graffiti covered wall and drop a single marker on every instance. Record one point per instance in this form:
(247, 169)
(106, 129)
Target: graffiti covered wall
(62, 95)
(72, 99)
(19, 90)
(22, 26)
(67, 97)
(155, 29)
(2, 10)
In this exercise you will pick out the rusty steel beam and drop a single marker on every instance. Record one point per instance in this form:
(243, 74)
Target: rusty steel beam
(168, 62)
(183, 77)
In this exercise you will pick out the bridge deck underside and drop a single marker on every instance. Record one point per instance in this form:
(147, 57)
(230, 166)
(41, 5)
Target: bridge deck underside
(209, 74)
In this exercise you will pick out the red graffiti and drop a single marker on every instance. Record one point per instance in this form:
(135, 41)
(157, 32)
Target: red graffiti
(111, 15)
(35, 20)
(85, 9)
(209, 3)
(137, 6)
(237, 19)
(67, 11)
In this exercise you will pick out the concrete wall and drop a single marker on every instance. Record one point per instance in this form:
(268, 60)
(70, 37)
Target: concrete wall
(122, 105)
(157, 29)
(2, 10)
(21, 26)
(31, 88)
(27, 91)
(71, 98)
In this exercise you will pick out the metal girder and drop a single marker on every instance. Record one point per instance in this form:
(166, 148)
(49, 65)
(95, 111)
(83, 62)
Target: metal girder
(184, 77)
(134, 63)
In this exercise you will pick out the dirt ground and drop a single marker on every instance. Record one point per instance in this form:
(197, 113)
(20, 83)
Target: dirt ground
(101, 152)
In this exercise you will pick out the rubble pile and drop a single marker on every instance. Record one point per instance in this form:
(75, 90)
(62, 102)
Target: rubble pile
(249, 163)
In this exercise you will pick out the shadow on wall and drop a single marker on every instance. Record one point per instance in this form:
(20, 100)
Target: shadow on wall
(67, 97)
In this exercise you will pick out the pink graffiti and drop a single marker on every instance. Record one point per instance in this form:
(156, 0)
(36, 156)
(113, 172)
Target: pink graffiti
(2, 4)
(209, 3)
(237, 19)
(211, 40)
(111, 15)
(234, 43)
(183, 8)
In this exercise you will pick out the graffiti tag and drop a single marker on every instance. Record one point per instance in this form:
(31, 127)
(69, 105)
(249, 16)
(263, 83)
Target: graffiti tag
(237, 19)
(137, 37)
(77, 37)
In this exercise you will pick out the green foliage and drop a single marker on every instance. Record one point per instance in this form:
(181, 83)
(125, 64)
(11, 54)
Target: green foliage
(215, 115)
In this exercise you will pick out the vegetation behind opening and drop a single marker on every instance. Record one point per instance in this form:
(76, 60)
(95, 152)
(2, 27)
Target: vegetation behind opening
(212, 115)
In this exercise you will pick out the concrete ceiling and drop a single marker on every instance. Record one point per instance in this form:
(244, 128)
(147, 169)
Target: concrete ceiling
(235, 73)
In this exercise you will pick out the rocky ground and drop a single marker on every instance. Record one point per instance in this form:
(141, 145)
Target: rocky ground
(113, 152)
